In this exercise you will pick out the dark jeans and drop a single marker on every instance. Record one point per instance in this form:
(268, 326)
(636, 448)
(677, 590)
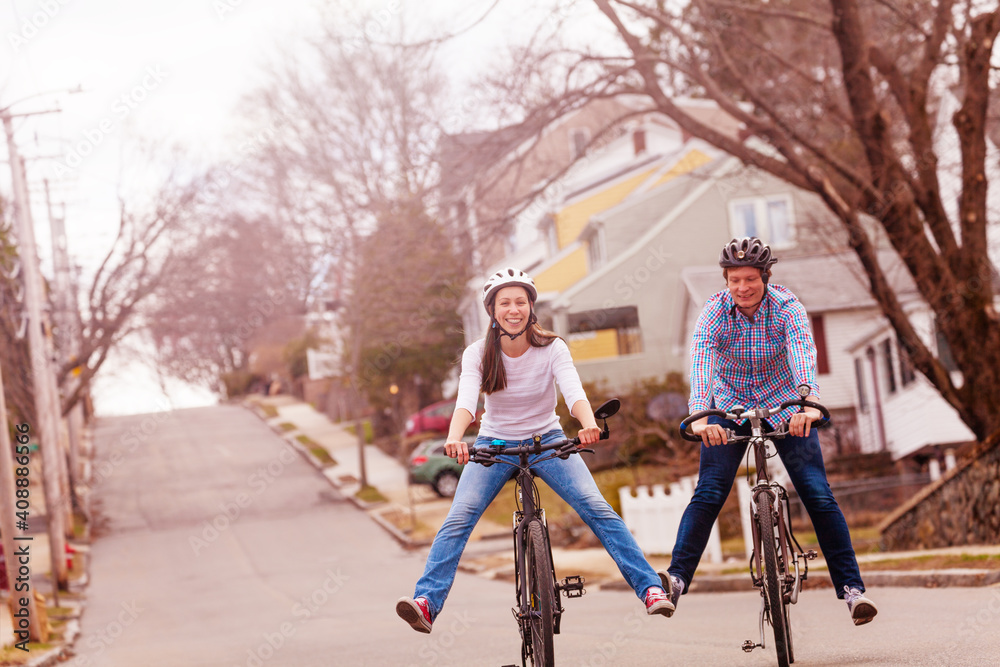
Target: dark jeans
(804, 461)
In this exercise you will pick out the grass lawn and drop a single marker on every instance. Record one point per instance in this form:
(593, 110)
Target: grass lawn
(370, 494)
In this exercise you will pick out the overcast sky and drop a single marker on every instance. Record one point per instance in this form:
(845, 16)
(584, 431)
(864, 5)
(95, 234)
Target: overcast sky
(167, 72)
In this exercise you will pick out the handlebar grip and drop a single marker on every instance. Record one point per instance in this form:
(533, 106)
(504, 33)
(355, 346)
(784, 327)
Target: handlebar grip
(810, 404)
(695, 417)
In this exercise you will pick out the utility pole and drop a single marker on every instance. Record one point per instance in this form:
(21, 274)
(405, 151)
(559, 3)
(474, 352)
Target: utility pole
(47, 429)
(67, 336)
(11, 541)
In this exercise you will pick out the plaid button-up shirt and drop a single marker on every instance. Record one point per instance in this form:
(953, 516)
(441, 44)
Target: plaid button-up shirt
(754, 363)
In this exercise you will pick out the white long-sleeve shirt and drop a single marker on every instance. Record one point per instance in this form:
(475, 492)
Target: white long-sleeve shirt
(528, 404)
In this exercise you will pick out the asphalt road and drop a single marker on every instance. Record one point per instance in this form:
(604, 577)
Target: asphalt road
(219, 546)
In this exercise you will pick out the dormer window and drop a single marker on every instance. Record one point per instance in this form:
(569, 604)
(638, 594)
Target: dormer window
(596, 249)
(639, 141)
(578, 140)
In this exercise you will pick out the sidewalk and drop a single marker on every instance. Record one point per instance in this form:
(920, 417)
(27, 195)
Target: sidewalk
(412, 514)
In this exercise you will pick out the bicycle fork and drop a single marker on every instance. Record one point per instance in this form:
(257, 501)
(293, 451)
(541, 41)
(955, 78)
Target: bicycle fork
(789, 554)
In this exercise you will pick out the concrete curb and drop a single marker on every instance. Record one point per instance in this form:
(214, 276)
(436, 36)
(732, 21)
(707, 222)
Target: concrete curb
(404, 540)
(960, 578)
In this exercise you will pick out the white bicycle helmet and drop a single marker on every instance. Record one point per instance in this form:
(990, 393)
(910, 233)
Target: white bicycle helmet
(505, 278)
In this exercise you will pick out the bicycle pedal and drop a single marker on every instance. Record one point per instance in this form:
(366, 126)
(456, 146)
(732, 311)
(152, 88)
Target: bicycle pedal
(572, 586)
(811, 554)
(748, 646)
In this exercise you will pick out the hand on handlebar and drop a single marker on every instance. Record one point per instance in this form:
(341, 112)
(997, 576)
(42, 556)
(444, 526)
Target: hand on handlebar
(457, 449)
(589, 436)
(711, 434)
(801, 422)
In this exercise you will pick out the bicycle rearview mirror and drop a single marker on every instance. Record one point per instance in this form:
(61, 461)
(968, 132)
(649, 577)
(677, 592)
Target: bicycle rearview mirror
(608, 408)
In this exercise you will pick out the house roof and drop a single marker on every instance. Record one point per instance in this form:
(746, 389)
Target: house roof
(822, 283)
(679, 200)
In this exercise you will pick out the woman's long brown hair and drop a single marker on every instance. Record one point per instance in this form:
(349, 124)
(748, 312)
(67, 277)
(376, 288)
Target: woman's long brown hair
(494, 373)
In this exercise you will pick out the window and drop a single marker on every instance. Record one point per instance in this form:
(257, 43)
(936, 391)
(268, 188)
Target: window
(768, 218)
(639, 141)
(819, 336)
(907, 374)
(578, 140)
(623, 321)
(595, 249)
(885, 350)
(859, 378)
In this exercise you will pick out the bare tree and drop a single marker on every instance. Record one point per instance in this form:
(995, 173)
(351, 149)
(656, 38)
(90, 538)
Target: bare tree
(847, 99)
(142, 255)
(242, 275)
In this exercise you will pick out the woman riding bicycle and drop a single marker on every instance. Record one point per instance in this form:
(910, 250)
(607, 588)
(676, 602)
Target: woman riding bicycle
(752, 346)
(515, 365)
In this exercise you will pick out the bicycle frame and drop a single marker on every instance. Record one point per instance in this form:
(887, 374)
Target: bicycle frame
(526, 515)
(775, 572)
(788, 550)
(522, 518)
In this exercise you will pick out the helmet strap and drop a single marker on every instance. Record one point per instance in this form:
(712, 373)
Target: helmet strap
(531, 320)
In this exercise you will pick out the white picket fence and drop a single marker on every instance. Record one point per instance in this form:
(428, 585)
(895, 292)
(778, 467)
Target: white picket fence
(653, 516)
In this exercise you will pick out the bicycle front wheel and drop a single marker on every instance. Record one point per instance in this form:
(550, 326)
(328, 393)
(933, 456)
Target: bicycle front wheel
(766, 521)
(541, 595)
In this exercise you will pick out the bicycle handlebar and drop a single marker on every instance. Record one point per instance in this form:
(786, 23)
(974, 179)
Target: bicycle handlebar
(489, 453)
(759, 413)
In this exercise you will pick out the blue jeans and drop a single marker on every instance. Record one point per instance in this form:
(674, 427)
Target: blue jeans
(803, 459)
(570, 478)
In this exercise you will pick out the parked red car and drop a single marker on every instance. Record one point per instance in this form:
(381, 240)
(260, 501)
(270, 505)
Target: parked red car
(436, 418)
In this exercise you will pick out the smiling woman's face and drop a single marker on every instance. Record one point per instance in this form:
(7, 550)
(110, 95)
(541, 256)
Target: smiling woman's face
(512, 308)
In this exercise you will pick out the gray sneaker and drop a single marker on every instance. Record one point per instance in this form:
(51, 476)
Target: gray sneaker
(674, 587)
(862, 609)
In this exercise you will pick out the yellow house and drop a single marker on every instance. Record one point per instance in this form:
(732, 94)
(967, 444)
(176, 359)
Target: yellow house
(571, 261)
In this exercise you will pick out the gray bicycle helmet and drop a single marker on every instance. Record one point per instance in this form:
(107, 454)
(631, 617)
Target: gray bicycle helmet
(747, 251)
(505, 278)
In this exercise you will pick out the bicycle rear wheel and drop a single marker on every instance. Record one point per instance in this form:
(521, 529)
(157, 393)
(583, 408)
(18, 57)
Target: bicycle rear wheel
(541, 595)
(772, 582)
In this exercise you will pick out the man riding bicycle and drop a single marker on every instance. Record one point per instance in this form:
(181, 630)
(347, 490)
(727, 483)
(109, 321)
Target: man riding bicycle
(752, 346)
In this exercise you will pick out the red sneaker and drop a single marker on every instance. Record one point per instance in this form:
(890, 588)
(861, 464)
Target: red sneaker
(657, 602)
(416, 612)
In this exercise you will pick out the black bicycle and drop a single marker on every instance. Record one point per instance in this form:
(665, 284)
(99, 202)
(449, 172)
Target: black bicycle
(538, 610)
(775, 562)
